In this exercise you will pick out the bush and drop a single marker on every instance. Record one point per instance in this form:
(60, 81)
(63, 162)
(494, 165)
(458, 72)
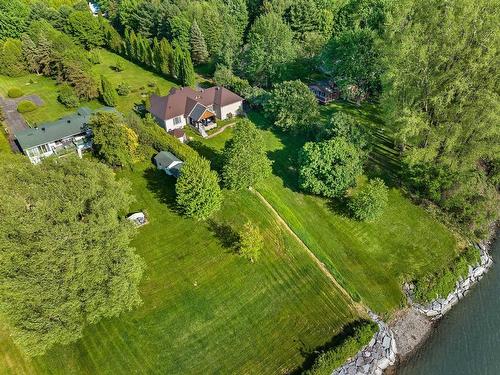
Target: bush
(67, 96)
(370, 200)
(95, 57)
(15, 92)
(327, 361)
(442, 283)
(119, 67)
(123, 89)
(251, 242)
(26, 106)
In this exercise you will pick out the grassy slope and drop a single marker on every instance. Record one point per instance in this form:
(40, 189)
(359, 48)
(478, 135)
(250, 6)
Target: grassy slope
(47, 88)
(369, 258)
(205, 309)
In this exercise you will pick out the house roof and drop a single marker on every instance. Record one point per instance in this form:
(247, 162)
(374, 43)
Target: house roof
(165, 159)
(177, 133)
(53, 131)
(324, 86)
(182, 101)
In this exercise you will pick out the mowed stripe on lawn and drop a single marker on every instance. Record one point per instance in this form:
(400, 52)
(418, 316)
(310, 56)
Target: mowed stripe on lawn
(205, 309)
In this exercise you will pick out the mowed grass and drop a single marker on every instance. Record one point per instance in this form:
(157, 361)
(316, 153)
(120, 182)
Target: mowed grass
(140, 80)
(369, 259)
(206, 310)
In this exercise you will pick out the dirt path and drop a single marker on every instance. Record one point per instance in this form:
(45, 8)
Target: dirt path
(360, 309)
(221, 130)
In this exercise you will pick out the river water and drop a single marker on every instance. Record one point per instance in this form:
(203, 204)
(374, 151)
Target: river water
(467, 340)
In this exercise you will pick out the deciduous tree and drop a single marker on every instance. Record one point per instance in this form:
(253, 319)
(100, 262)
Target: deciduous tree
(197, 188)
(269, 50)
(114, 142)
(369, 201)
(291, 105)
(330, 167)
(65, 255)
(251, 242)
(245, 159)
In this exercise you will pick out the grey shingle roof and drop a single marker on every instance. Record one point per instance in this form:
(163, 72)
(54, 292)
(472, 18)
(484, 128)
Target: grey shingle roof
(53, 131)
(165, 158)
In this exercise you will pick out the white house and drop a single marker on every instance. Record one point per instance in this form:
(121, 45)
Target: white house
(69, 134)
(200, 109)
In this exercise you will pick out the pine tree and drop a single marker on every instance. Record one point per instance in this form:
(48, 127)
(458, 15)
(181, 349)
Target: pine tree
(177, 57)
(166, 53)
(199, 52)
(108, 92)
(186, 73)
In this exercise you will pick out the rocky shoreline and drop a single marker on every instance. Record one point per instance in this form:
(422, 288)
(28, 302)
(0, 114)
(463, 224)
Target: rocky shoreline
(409, 328)
(374, 358)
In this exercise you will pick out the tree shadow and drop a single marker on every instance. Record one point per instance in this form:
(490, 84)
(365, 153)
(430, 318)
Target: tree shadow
(227, 237)
(310, 356)
(340, 206)
(162, 186)
(215, 157)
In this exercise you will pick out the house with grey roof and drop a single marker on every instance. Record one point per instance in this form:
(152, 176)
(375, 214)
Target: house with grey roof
(69, 134)
(169, 163)
(200, 109)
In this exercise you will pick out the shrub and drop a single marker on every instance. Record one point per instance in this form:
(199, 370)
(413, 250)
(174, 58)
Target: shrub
(119, 67)
(443, 282)
(123, 89)
(67, 96)
(95, 57)
(327, 361)
(15, 92)
(251, 242)
(108, 92)
(26, 106)
(370, 200)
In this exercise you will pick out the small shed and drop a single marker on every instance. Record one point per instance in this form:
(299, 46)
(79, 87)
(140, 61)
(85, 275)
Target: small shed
(168, 162)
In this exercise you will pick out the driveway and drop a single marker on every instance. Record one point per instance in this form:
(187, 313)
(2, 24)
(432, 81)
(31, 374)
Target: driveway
(13, 119)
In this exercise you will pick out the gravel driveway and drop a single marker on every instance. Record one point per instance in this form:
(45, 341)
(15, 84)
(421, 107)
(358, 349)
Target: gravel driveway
(13, 119)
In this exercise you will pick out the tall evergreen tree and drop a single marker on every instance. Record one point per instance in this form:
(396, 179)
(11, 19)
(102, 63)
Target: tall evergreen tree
(108, 92)
(199, 52)
(166, 56)
(186, 74)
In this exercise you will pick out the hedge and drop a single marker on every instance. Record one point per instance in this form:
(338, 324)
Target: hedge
(152, 135)
(442, 283)
(329, 360)
(15, 92)
(26, 106)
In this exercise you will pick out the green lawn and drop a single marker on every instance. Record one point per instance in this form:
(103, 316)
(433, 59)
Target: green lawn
(206, 310)
(137, 77)
(370, 259)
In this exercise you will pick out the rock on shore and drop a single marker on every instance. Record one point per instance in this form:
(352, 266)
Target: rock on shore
(374, 358)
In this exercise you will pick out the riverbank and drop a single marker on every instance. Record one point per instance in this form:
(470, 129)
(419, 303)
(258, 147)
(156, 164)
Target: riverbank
(412, 327)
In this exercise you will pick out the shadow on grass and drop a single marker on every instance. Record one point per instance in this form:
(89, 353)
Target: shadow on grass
(310, 356)
(227, 237)
(162, 186)
(215, 157)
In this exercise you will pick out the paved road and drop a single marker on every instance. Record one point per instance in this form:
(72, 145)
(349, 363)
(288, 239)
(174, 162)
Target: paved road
(13, 119)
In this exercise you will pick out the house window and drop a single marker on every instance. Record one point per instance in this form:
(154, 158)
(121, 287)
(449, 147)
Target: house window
(177, 120)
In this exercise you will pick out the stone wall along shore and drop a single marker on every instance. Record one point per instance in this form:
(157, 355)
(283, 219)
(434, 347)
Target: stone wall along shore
(374, 358)
(437, 308)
